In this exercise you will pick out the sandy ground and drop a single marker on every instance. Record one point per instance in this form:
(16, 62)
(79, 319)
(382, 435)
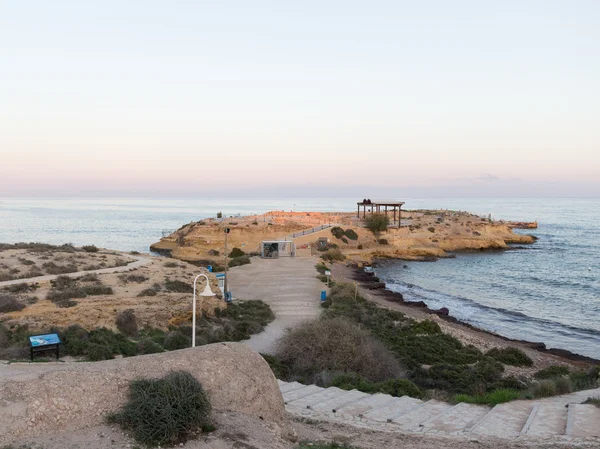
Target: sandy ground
(237, 431)
(289, 285)
(423, 235)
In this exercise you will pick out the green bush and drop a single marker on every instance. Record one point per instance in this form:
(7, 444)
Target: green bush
(431, 229)
(97, 352)
(510, 356)
(97, 289)
(147, 292)
(544, 388)
(236, 252)
(238, 261)
(147, 346)
(351, 234)
(22, 287)
(393, 387)
(337, 232)
(563, 385)
(551, 372)
(90, 248)
(126, 322)
(413, 343)
(317, 445)
(176, 340)
(164, 411)
(137, 278)
(377, 223)
(178, 286)
(492, 398)
(321, 267)
(53, 268)
(345, 240)
(333, 254)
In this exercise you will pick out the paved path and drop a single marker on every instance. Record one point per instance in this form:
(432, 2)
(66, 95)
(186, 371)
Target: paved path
(289, 285)
(139, 262)
(562, 418)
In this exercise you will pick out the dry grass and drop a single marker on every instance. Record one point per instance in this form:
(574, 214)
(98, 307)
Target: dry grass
(336, 345)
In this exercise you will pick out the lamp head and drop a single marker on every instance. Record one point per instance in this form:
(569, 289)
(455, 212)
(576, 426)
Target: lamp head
(207, 291)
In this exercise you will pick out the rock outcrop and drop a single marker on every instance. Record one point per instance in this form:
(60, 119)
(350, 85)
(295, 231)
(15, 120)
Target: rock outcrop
(80, 395)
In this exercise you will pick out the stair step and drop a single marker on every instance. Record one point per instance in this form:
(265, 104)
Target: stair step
(289, 386)
(455, 419)
(393, 410)
(332, 405)
(316, 398)
(505, 420)
(365, 405)
(413, 419)
(549, 420)
(300, 393)
(582, 421)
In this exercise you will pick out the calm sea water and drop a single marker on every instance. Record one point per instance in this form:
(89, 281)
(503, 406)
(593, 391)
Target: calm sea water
(549, 292)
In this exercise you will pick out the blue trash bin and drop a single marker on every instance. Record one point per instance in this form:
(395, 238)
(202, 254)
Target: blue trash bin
(323, 295)
(210, 268)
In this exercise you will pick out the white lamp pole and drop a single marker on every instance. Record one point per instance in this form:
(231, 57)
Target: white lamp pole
(206, 293)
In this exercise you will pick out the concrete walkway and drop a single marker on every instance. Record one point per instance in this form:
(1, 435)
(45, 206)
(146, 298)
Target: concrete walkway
(138, 262)
(289, 285)
(562, 418)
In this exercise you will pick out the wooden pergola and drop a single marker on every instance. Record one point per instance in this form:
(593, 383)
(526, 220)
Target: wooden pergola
(376, 206)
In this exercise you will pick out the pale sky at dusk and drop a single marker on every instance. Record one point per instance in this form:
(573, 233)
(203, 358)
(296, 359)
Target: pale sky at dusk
(432, 98)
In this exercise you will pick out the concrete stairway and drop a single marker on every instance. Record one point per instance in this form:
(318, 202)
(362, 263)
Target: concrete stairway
(556, 417)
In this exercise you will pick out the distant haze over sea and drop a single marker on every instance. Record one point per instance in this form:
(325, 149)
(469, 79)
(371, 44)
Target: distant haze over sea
(549, 292)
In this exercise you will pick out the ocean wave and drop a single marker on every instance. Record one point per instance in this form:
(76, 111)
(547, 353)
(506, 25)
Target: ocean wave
(447, 300)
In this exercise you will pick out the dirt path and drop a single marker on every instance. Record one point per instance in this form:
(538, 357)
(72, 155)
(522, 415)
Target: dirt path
(289, 285)
(138, 262)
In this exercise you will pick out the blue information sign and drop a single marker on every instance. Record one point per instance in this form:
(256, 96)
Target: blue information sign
(44, 340)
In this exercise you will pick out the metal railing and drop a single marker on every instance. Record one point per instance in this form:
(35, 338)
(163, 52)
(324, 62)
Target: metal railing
(310, 231)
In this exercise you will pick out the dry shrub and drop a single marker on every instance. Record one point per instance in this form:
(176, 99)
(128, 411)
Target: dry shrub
(127, 322)
(9, 303)
(336, 345)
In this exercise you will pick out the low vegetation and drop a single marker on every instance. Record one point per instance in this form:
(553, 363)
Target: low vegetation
(427, 360)
(317, 445)
(238, 261)
(235, 323)
(165, 411)
(335, 345)
(332, 255)
(510, 356)
(127, 323)
(493, 398)
(377, 223)
(236, 252)
(65, 289)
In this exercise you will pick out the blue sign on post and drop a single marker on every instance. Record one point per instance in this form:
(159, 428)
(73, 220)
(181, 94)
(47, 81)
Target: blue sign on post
(45, 342)
(323, 295)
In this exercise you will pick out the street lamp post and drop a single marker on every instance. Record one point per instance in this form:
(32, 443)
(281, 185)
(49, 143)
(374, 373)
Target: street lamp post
(206, 293)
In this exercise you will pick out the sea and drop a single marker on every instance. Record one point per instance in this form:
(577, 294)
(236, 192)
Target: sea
(548, 292)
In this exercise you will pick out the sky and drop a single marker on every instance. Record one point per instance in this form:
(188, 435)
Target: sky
(281, 98)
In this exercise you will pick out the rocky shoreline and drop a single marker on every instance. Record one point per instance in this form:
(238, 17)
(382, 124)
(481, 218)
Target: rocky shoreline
(370, 281)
